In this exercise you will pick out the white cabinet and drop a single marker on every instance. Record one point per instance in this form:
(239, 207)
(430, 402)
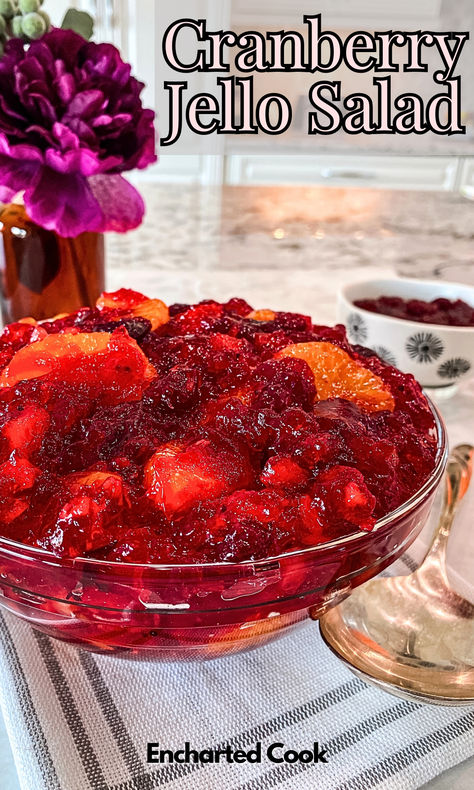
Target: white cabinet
(185, 169)
(363, 14)
(381, 172)
(466, 178)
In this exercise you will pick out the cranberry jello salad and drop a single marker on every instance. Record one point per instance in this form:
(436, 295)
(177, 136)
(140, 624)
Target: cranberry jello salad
(135, 432)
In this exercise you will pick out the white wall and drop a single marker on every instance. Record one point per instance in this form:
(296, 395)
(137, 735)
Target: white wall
(56, 9)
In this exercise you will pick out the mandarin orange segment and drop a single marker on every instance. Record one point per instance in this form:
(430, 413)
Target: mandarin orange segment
(337, 375)
(41, 358)
(123, 299)
(135, 304)
(25, 430)
(178, 477)
(79, 479)
(262, 315)
(70, 354)
(261, 630)
(107, 483)
(154, 309)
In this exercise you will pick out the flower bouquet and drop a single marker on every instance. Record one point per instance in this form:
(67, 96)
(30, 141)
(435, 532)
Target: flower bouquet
(71, 122)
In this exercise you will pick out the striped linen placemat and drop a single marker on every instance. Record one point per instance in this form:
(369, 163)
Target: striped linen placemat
(78, 721)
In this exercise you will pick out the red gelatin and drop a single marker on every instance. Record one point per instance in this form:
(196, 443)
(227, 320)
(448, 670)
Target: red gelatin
(439, 311)
(203, 433)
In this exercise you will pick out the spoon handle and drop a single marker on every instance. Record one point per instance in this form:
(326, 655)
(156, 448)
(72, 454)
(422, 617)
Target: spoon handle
(457, 479)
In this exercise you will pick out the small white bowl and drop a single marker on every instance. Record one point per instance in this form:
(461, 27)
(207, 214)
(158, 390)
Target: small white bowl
(437, 355)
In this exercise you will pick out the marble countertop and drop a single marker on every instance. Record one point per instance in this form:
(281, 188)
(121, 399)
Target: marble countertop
(289, 247)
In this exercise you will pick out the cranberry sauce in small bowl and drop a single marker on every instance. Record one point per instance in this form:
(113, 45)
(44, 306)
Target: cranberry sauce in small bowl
(422, 327)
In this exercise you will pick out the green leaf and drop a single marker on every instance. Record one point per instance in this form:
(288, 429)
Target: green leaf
(80, 22)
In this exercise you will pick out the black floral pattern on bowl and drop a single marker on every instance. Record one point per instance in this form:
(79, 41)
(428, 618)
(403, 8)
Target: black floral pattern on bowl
(424, 347)
(454, 368)
(385, 355)
(356, 328)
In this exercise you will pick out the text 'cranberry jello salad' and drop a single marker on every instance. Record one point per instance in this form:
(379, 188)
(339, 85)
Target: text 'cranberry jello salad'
(199, 433)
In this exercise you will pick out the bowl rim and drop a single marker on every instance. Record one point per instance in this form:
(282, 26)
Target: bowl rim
(407, 321)
(428, 486)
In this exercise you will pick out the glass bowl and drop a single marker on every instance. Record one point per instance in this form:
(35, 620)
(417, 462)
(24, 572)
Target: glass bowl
(206, 610)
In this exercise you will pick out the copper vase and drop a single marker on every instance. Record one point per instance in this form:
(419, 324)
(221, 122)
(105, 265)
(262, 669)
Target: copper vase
(43, 274)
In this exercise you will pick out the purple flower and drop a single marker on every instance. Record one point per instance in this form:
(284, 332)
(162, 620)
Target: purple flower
(71, 120)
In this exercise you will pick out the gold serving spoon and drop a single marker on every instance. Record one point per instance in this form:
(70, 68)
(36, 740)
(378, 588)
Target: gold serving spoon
(413, 635)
